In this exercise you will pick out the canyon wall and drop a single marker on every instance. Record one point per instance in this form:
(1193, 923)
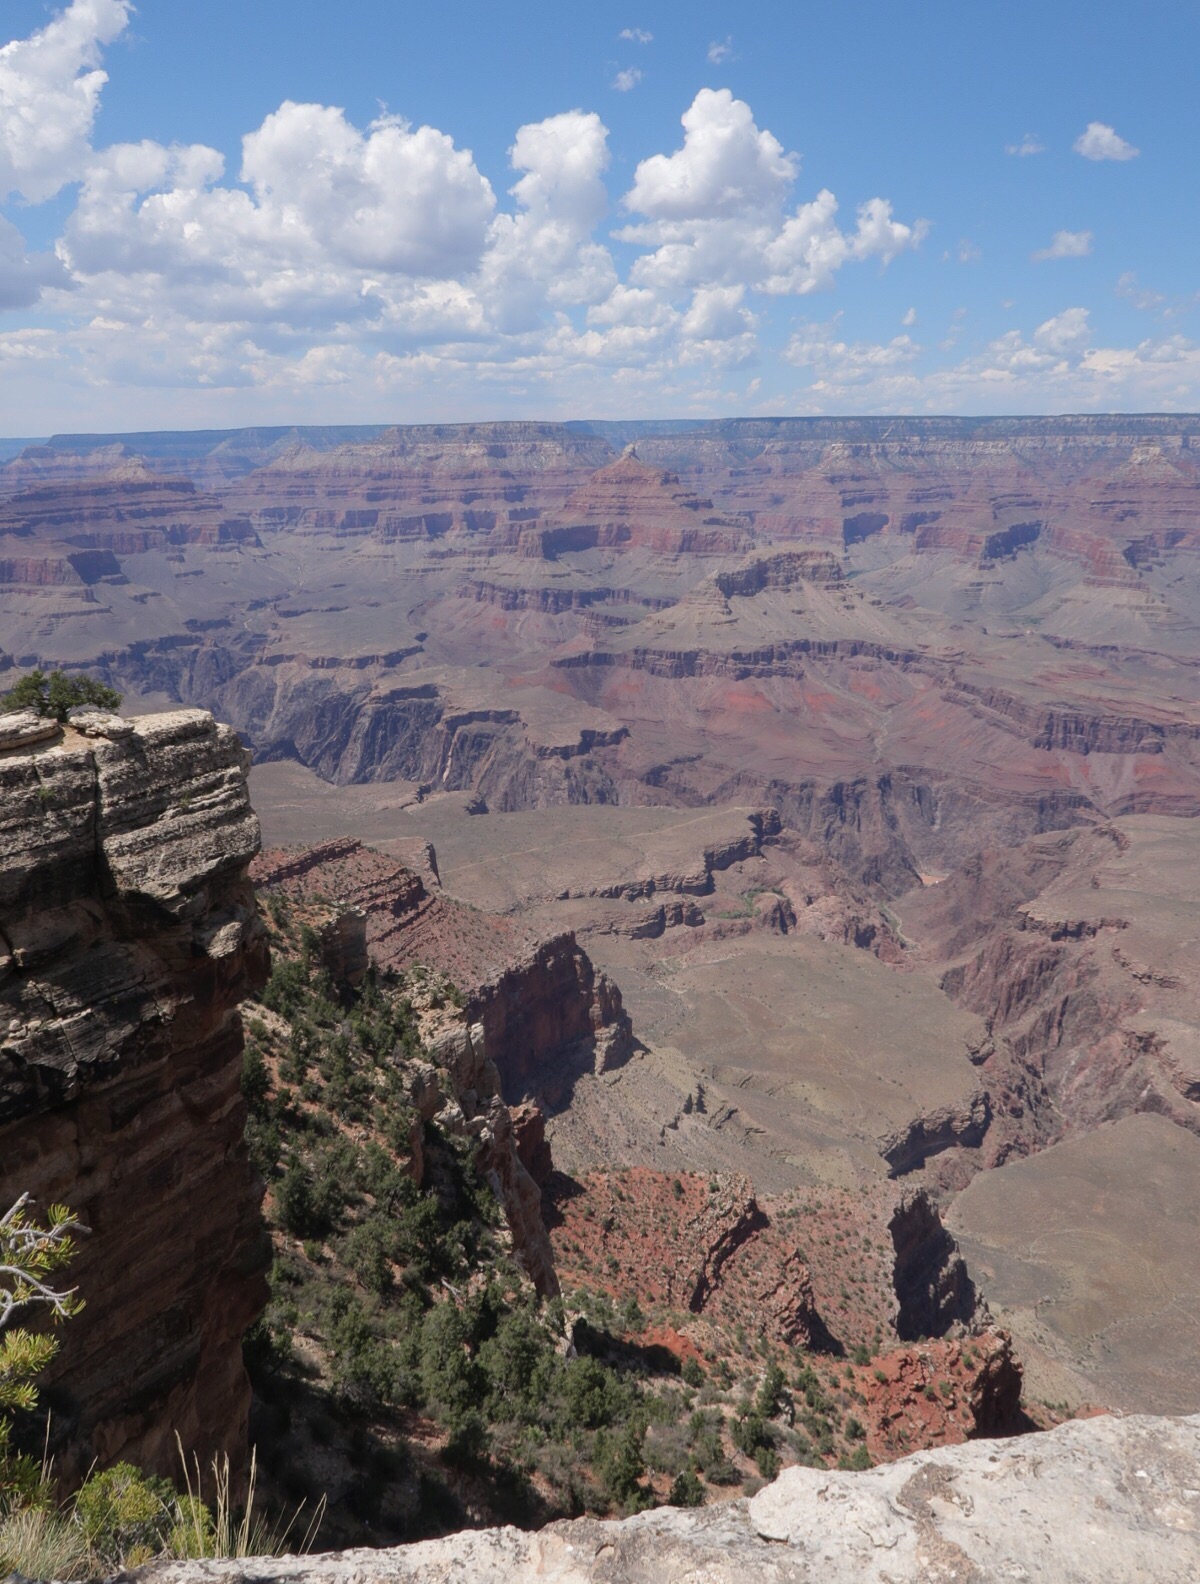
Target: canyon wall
(546, 1011)
(128, 936)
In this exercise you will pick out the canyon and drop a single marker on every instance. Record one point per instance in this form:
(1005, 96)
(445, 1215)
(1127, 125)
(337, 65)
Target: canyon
(804, 810)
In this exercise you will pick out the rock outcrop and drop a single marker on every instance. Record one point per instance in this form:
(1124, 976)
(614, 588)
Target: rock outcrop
(1101, 1501)
(934, 1290)
(546, 1011)
(471, 1107)
(128, 936)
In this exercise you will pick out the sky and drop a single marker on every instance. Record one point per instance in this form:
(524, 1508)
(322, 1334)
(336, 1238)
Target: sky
(266, 212)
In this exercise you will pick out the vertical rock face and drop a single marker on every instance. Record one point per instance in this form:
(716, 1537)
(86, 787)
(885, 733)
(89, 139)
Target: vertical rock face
(934, 1289)
(128, 936)
(473, 1108)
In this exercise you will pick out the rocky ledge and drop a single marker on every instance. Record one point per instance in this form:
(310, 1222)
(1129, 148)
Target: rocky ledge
(128, 936)
(1101, 1501)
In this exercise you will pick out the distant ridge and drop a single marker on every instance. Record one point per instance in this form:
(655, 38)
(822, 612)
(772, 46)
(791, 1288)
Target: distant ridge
(166, 443)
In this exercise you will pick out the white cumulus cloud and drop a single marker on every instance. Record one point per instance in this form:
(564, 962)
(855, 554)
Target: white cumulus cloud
(634, 35)
(727, 166)
(1068, 331)
(49, 92)
(1066, 244)
(1101, 142)
(720, 50)
(715, 212)
(627, 79)
(1029, 144)
(545, 251)
(396, 198)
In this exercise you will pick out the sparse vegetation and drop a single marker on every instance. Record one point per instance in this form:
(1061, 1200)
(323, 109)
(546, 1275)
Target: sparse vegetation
(400, 1334)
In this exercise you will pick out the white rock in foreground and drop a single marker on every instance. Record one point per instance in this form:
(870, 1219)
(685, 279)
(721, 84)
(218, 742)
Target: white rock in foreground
(1102, 1501)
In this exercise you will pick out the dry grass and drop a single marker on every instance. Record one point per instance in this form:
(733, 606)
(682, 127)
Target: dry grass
(222, 1529)
(43, 1544)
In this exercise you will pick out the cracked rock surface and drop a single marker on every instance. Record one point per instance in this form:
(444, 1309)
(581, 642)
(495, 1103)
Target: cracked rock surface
(1101, 1501)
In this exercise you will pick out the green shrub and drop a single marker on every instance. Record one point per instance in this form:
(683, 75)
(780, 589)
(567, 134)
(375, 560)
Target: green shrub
(620, 1464)
(256, 1079)
(749, 1433)
(772, 1393)
(686, 1491)
(591, 1395)
(125, 1515)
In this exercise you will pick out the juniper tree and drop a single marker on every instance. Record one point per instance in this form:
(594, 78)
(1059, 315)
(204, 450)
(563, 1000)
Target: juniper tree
(30, 1257)
(56, 694)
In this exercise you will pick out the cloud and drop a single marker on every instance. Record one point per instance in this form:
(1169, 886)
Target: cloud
(636, 36)
(545, 252)
(1029, 144)
(1060, 367)
(841, 363)
(331, 212)
(719, 51)
(1065, 244)
(49, 92)
(1068, 331)
(396, 199)
(725, 167)
(378, 260)
(1140, 296)
(23, 275)
(715, 212)
(810, 248)
(1100, 142)
(627, 79)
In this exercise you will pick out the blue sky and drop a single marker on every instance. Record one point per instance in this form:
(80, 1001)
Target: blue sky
(270, 212)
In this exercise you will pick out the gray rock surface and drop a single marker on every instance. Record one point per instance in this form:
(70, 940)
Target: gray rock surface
(1101, 1501)
(128, 937)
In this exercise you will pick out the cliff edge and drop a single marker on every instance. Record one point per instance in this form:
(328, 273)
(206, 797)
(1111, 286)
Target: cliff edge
(128, 936)
(1100, 1501)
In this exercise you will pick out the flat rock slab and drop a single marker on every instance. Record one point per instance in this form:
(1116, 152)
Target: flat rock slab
(1101, 1501)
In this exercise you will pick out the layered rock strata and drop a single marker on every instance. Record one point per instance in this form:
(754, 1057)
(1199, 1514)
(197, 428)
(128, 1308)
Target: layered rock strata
(128, 936)
(546, 1011)
(1112, 1500)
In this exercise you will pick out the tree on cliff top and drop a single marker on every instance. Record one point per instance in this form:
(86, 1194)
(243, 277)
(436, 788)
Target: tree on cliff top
(57, 693)
(29, 1256)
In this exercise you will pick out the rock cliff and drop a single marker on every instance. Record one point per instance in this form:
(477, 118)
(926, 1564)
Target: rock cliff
(1101, 1501)
(128, 936)
(545, 1009)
